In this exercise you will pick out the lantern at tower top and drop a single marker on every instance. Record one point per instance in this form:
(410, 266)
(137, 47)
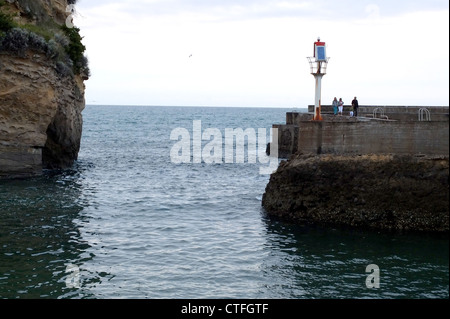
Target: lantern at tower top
(320, 52)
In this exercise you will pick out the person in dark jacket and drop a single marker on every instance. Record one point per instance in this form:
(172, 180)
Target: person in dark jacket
(355, 106)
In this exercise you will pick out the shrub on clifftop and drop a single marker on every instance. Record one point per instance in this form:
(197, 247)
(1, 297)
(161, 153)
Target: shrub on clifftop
(75, 49)
(19, 40)
(6, 22)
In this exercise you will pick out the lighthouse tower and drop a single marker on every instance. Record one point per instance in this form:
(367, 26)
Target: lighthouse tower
(318, 64)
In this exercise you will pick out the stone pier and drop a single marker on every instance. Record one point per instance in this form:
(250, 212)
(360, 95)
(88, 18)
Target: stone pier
(387, 172)
(369, 134)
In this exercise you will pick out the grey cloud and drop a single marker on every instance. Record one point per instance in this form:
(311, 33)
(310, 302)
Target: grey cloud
(254, 9)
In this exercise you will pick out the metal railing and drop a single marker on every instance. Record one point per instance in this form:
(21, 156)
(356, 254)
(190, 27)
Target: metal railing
(318, 67)
(381, 111)
(424, 115)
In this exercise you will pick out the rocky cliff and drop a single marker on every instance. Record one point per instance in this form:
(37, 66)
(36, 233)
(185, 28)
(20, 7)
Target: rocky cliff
(375, 191)
(41, 88)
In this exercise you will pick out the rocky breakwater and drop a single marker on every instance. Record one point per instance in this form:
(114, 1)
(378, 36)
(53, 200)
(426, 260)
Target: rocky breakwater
(385, 192)
(42, 74)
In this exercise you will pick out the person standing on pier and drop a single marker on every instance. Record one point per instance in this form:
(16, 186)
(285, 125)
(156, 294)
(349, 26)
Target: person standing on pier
(355, 106)
(335, 106)
(341, 106)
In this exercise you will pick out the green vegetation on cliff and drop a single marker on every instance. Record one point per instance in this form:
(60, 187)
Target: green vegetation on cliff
(6, 21)
(75, 48)
(42, 34)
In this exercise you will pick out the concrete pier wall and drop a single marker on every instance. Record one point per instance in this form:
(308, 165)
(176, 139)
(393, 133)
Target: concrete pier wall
(345, 135)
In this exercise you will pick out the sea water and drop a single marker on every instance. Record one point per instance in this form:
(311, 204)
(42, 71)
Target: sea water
(126, 221)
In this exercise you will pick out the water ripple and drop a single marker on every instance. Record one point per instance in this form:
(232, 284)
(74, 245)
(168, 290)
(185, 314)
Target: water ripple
(138, 226)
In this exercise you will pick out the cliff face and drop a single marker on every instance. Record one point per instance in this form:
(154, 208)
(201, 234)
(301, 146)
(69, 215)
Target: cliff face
(40, 106)
(39, 10)
(374, 191)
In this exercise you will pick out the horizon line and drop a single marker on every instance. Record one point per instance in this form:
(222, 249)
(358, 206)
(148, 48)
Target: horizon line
(210, 106)
(266, 107)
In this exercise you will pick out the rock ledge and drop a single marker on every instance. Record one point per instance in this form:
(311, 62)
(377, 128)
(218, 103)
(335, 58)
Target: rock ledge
(385, 192)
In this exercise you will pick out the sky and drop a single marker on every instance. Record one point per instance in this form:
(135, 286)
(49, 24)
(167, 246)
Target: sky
(253, 53)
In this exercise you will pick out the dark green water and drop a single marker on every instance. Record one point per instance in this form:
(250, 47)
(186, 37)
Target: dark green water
(138, 226)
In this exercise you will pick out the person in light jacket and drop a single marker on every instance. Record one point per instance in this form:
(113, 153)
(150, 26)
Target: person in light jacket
(341, 106)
